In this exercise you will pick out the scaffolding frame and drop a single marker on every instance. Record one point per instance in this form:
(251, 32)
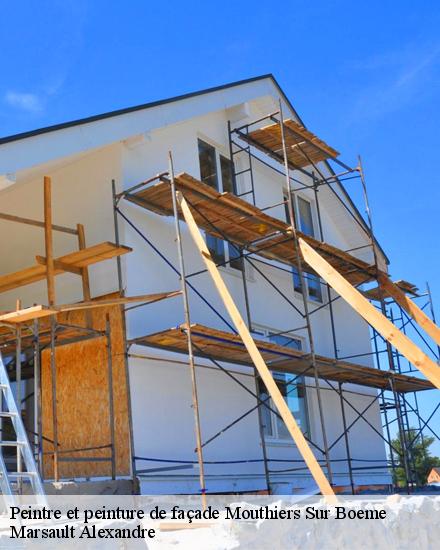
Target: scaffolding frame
(24, 336)
(397, 402)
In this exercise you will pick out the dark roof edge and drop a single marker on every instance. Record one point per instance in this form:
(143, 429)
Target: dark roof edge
(110, 114)
(118, 112)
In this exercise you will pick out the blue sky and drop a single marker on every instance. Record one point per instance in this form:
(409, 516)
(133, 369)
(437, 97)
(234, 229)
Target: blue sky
(364, 76)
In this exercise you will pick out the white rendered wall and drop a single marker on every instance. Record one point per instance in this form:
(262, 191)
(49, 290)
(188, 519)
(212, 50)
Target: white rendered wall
(160, 389)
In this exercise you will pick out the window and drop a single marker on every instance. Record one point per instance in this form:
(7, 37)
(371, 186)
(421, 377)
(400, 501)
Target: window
(293, 391)
(216, 171)
(208, 164)
(305, 217)
(227, 175)
(314, 287)
(304, 214)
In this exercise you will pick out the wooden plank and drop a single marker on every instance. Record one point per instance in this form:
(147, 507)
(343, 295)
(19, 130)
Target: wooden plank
(48, 241)
(146, 298)
(228, 347)
(255, 354)
(302, 145)
(35, 223)
(59, 266)
(404, 286)
(410, 307)
(84, 270)
(360, 304)
(80, 258)
(226, 215)
(38, 311)
(27, 314)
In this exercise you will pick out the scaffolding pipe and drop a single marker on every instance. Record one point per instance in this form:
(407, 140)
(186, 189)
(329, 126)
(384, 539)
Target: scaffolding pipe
(335, 347)
(111, 412)
(195, 400)
(38, 442)
(293, 225)
(384, 312)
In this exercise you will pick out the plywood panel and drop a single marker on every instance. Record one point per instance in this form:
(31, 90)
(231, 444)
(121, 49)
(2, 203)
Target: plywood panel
(83, 400)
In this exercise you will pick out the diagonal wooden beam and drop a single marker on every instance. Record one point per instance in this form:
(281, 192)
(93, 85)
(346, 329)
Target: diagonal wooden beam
(360, 304)
(266, 376)
(410, 307)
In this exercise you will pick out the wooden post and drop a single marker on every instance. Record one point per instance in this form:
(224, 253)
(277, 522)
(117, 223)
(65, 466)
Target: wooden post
(49, 241)
(376, 319)
(410, 307)
(84, 273)
(266, 376)
(84, 270)
(50, 278)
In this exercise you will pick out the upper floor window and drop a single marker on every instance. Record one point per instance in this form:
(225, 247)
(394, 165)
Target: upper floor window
(293, 391)
(304, 215)
(208, 164)
(216, 170)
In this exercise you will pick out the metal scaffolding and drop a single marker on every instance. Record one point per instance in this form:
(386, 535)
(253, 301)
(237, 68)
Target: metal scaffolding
(395, 406)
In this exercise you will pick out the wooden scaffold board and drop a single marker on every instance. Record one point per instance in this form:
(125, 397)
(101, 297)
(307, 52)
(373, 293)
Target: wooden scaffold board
(376, 319)
(74, 260)
(225, 215)
(229, 348)
(303, 147)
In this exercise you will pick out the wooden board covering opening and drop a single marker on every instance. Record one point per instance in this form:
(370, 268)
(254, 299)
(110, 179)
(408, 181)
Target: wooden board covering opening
(83, 399)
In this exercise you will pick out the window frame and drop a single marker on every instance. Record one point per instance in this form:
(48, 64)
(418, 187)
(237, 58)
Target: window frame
(228, 259)
(274, 436)
(307, 275)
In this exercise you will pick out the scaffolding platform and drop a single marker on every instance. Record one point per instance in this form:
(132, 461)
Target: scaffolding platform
(66, 332)
(228, 347)
(303, 147)
(377, 292)
(226, 216)
(72, 262)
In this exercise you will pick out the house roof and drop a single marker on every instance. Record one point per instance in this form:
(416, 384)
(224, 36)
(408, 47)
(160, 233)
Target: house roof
(141, 107)
(145, 106)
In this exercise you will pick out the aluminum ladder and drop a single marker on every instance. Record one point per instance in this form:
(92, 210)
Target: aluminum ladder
(11, 481)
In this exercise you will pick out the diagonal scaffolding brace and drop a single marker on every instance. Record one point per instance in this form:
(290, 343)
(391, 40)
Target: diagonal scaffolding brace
(256, 356)
(376, 319)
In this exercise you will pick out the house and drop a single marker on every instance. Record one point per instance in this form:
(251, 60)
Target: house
(434, 476)
(132, 417)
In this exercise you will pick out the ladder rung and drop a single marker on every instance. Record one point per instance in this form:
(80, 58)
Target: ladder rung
(21, 474)
(11, 443)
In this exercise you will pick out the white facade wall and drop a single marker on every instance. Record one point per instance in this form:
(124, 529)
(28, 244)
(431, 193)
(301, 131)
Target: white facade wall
(160, 384)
